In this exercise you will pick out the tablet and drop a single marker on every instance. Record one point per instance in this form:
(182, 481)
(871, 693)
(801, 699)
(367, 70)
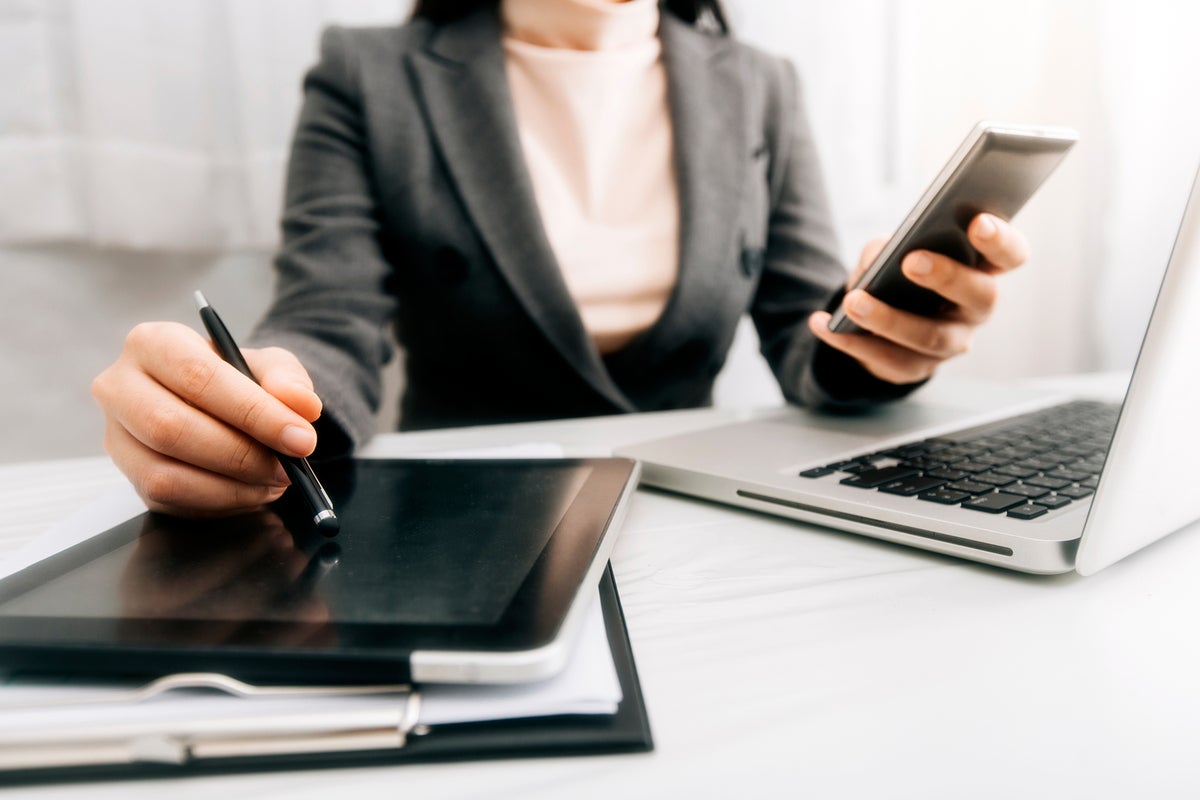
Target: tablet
(445, 571)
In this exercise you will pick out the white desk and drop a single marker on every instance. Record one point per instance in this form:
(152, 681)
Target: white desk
(783, 660)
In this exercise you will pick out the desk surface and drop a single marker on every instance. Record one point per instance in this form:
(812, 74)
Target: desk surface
(779, 659)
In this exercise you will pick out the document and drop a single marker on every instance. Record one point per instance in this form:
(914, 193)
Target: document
(78, 710)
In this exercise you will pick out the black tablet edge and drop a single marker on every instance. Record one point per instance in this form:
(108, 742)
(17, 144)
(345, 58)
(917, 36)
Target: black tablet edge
(255, 664)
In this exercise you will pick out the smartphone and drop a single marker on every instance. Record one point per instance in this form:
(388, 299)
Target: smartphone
(996, 169)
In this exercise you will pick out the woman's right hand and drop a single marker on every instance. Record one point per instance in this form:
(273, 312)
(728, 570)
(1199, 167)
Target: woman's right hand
(193, 434)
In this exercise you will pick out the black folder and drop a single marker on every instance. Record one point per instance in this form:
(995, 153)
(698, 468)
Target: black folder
(626, 731)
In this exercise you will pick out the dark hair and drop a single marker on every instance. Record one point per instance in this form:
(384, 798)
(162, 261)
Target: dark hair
(702, 13)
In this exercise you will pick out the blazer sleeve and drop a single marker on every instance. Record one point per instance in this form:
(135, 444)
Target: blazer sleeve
(331, 306)
(802, 272)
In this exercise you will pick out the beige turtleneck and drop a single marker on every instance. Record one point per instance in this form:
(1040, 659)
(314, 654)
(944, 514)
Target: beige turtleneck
(590, 94)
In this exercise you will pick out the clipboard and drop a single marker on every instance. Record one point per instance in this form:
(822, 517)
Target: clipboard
(626, 731)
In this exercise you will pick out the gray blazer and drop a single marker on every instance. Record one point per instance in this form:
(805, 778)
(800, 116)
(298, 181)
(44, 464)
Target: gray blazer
(409, 206)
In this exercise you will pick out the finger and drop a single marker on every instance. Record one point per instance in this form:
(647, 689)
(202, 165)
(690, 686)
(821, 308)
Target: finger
(235, 561)
(165, 575)
(253, 585)
(183, 362)
(165, 424)
(173, 487)
(869, 253)
(934, 338)
(281, 373)
(885, 360)
(1003, 246)
(972, 291)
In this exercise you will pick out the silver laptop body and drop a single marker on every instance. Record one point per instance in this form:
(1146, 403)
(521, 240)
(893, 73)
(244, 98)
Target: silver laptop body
(1144, 489)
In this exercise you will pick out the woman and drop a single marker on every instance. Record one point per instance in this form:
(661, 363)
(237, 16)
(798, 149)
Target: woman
(563, 207)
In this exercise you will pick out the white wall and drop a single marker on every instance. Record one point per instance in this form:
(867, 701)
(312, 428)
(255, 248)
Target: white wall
(892, 86)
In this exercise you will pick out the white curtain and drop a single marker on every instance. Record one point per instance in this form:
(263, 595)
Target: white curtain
(154, 125)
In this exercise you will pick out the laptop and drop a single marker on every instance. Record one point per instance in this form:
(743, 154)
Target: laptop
(1015, 478)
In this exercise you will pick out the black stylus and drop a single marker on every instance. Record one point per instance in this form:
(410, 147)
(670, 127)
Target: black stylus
(297, 469)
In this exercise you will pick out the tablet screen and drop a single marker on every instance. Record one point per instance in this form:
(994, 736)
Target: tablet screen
(447, 546)
(435, 554)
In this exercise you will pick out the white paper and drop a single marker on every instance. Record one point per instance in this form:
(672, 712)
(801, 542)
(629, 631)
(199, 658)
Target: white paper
(110, 509)
(588, 685)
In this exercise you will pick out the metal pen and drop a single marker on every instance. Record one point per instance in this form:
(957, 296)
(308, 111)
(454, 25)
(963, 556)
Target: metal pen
(298, 469)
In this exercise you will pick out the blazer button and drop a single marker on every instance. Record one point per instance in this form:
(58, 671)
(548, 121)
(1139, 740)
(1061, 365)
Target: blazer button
(450, 265)
(752, 261)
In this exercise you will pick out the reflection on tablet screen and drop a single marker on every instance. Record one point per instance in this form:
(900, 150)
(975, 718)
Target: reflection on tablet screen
(418, 547)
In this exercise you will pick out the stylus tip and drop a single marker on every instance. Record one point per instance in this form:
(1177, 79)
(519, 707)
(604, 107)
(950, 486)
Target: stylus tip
(327, 523)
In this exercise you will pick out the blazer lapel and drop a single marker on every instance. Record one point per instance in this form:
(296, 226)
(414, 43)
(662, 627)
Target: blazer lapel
(465, 92)
(711, 154)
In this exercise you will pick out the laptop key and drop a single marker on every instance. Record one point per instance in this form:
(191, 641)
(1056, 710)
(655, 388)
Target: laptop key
(1074, 476)
(947, 497)
(1048, 482)
(948, 474)
(817, 472)
(971, 487)
(1028, 511)
(878, 477)
(1016, 471)
(994, 479)
(1042, 463)
(910, 486)
(970, 466)
(1025, 490)
(1053, 501)
(922, 463)
(994, 503)
(1075, 492)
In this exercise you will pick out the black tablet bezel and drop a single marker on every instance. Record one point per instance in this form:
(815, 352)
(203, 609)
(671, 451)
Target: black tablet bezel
(363, 651)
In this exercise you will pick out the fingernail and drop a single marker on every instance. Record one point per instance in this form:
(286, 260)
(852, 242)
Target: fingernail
(298, 440)
(312, 394)
(986, 227)
(920, 264)
(861, 304)
(280, 478)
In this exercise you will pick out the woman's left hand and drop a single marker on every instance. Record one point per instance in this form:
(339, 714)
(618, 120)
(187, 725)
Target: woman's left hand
(901, 347)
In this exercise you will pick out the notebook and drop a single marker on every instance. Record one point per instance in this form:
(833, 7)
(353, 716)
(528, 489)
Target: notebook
(1016, 478)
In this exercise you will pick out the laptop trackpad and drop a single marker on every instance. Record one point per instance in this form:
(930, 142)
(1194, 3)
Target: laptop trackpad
(795, 436)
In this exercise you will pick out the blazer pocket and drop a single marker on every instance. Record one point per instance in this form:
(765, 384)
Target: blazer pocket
(751, 261)
(756, 194)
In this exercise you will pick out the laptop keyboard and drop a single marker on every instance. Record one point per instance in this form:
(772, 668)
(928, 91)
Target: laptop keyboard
(1024, 466)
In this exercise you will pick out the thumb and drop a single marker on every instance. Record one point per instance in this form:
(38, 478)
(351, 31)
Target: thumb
(282, 375)
(869, 254)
